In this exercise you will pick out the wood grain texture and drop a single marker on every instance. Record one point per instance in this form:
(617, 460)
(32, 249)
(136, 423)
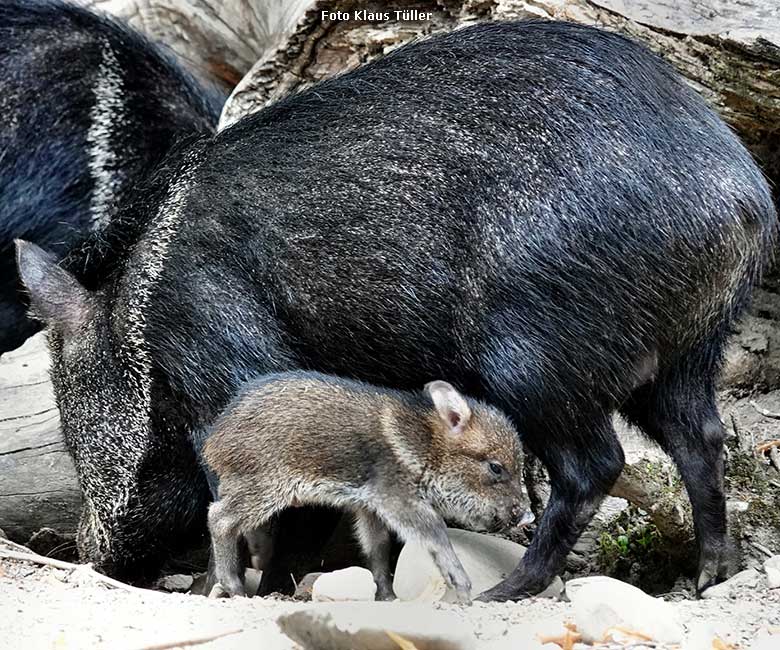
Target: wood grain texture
(38, 485)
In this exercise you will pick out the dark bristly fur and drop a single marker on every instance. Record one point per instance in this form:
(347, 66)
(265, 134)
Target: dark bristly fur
(88, 107)
(543, 213)
(401, 462)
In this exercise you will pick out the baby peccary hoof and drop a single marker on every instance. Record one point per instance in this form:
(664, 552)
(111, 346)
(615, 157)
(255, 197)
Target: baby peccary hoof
(461, 583)
(221, 591)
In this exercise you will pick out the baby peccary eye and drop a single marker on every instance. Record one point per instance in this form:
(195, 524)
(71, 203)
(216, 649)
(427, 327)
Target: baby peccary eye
(497, 469)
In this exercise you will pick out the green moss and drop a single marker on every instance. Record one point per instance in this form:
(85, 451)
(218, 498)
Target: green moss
(634, 550)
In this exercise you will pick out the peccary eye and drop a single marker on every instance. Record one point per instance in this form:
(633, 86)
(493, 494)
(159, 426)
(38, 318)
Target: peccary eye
(496, 469)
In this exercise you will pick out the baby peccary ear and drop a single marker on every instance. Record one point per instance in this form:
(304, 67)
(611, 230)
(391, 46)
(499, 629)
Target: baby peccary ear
(56, 297)
(450, 405)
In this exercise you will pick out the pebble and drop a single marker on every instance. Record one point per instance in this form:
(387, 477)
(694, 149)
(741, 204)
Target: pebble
(602, 604)
(178, 582)
(772, 570)
(749, 578)
(304, 587)
(350, 584)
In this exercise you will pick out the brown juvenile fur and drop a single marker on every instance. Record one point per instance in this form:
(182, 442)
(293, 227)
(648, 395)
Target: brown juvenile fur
(402, 462)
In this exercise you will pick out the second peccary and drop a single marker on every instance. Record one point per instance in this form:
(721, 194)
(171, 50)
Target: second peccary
(401, 461)
(89, 107)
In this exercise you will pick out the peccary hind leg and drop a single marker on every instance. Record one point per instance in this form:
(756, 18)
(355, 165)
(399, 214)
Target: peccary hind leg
(376, 543)
(679, 412)
(583, 465)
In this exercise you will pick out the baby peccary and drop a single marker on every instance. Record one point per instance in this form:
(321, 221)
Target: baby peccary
(400, 461)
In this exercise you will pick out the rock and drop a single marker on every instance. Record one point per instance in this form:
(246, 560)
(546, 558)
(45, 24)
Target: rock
(352, 583)
(766, 641)
(749, 579)
(486, 559)
(705, 635)
(772, 570)
(49, 542)
(364, 626)
(2, 534)
(601, 603)
(178, 582)
(736, 505)
(252, 579)
(304, 587)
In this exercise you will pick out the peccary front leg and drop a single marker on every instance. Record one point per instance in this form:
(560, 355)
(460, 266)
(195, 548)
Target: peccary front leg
(224, 530)
(583, 465)
(376, 542)
(424, 524)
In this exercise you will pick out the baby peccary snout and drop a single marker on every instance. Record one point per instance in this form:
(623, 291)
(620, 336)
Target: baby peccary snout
(402, 462)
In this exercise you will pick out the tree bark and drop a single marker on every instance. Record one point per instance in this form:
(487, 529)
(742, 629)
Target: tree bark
(38, 486)
(219, 41)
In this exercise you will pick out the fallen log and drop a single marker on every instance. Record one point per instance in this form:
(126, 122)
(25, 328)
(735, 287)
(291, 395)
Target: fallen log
(38, 485)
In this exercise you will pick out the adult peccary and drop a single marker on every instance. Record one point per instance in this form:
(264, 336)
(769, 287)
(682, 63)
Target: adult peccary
(88, 106)
(400, 461)
(541, 212)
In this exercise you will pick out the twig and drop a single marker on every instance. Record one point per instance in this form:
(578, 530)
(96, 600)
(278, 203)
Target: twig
(735, 428)
(69, 566)
(774, 457)
(762, 548)
(14, 545)
(188, 642)
(767, 414)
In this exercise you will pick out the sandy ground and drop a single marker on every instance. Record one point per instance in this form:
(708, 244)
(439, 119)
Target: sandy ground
(46, 608)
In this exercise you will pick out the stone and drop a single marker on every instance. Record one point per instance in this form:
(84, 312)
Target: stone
(352, 583)
(747, 579)
(487, 560)
(707, 634)
(2, 534)
(602, 604)
(179, 583)
(48, 542)
(252, 579)
(772, 570)
(304, 587)
(766, 640)
(364, 626)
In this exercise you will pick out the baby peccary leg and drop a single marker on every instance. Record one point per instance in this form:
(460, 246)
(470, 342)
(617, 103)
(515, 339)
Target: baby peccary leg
(224, 538)
(375, 540)
(261, 545)
(423, 523)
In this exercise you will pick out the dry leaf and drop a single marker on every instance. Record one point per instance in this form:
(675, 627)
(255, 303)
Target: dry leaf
(566, 641)
(719, 644)
(639, 636)
(404, 644)
(766, 446)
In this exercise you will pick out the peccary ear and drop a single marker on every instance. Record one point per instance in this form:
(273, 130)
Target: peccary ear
(450, 405)
(56, 297)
